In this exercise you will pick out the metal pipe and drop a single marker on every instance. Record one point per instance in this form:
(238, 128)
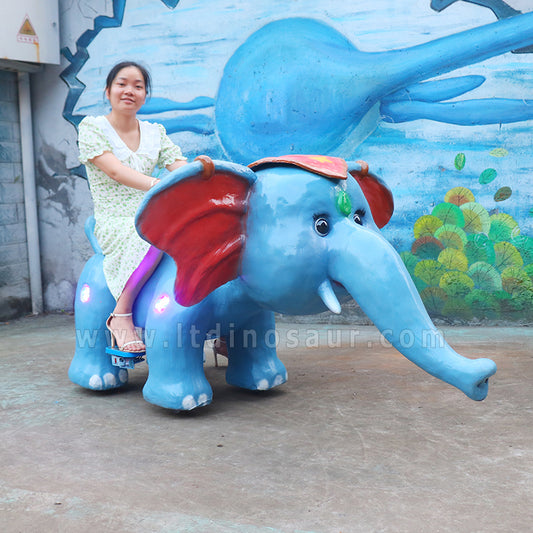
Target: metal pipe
(30, 193)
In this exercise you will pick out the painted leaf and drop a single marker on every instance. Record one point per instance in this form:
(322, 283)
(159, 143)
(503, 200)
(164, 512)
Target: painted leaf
(430, 271)
(456, 284)
(427, 247)
(459, 196)
(426, 225)
(457, 308)
(503, 227)
(479, 248)
(419, 284)
(451, 236)
(515, 279)
(477, 219)
(522, 304)
(410, 261)
(434, 299)
(524, 245)
(485, 277)
(528, 269)
(460, 160)
(503, 194)
(453, 259)
(449, 214)
(488, 175)
(504, 300)
(506, 256)
(498, 152)
(483, 304)
(502, 296)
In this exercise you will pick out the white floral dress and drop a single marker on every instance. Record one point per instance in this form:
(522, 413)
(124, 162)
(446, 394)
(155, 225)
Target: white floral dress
(115, 204)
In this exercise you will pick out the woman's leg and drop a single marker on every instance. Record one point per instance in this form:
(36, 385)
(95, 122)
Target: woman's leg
(122, 326)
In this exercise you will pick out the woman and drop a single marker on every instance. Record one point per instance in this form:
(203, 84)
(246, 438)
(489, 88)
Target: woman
(120, 153)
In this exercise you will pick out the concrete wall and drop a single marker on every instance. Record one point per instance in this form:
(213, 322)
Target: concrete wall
(421, 151)
(14, 274)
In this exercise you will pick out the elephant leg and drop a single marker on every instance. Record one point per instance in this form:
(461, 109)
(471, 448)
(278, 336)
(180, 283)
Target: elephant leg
(174, 350)
(91, 366)
(252, 360)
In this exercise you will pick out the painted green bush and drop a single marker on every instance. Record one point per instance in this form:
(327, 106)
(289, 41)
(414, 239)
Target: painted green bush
(468, 263)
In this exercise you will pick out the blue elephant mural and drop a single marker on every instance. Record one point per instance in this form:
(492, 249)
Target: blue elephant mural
(296, 235)
(282, 107)
(298, 85)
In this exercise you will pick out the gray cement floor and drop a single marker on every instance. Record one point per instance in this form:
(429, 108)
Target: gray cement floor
(358, 440)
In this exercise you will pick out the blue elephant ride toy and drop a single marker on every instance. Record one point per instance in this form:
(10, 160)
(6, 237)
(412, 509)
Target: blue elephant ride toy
(296, 235)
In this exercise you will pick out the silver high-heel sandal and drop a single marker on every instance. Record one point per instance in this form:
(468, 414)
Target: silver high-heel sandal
(114, 339)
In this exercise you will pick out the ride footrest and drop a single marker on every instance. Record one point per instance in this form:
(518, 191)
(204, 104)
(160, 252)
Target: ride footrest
(124, 359)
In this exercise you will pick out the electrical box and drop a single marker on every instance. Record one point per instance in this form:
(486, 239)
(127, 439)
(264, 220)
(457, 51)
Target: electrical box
(29, 31)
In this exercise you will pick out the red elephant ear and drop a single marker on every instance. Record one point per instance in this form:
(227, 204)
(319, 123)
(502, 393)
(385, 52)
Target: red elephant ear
(377, 194)
(196, 216)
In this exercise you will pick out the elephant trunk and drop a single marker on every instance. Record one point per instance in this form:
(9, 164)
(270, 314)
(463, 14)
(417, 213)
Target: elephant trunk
(374, 274)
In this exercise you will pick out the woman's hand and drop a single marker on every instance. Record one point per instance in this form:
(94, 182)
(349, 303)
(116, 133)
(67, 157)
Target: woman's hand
(177, 164)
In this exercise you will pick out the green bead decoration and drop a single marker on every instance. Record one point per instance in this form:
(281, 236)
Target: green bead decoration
(344, 204)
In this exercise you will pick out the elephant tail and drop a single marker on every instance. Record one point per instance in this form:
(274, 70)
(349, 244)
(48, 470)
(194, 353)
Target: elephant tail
(89, 231)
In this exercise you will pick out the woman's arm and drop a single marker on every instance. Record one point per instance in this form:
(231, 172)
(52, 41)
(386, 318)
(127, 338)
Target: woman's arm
(177, 164)
(116, 170)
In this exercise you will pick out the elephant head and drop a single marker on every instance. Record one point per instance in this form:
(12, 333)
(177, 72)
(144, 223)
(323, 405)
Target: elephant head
(296, 235)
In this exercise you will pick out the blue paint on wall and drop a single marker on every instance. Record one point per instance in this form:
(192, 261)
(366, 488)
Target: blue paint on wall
(298, 85)
(80, 57)
(500, 8)
(408, 126)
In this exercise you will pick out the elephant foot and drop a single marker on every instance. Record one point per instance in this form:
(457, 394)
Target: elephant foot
(97, 375)
(261, 375)
(181, 396)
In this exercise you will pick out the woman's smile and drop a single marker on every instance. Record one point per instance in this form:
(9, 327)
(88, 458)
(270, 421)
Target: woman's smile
(128, 89)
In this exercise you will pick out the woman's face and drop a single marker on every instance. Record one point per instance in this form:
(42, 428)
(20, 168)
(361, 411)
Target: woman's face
(127, 91)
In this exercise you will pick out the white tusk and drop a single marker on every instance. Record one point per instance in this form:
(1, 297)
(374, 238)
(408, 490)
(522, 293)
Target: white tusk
(325, 291)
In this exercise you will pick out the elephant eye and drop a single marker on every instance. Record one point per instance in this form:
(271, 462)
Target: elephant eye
(322, 225)
(358, 216)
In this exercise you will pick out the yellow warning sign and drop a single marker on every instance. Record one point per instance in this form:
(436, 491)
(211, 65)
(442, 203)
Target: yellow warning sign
(27, 33)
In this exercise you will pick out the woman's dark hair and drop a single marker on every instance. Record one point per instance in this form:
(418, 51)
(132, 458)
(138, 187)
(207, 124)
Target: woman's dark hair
(124, 64)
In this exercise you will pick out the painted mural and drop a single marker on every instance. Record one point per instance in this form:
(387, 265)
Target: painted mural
(440, 104)
(468, 262)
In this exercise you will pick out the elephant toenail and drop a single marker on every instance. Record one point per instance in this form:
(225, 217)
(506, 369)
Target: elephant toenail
(95, 382)
(263, 385)
(188, 402)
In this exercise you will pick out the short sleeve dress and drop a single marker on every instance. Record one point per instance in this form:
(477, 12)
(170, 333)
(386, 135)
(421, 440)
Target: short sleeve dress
(115, 204)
